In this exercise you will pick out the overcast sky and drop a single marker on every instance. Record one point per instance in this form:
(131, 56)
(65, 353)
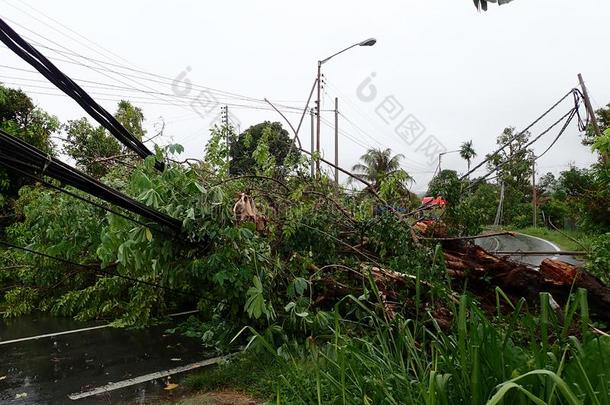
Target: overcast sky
(456, 73)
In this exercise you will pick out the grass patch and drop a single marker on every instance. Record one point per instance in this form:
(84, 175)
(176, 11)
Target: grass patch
(560, 238)
(249, 373)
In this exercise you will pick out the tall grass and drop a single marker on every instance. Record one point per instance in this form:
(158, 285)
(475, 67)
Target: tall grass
(515, 358)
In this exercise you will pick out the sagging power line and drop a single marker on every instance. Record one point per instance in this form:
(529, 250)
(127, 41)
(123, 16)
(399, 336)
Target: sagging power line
(16, 154)
(37, 60)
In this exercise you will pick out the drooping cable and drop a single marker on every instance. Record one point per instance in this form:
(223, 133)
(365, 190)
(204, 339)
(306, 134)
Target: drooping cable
(547, 112)
(569, 116)
(90, 267)
(43, 65)
(37, 163)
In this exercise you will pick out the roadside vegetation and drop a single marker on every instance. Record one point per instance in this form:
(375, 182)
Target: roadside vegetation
(291, 267)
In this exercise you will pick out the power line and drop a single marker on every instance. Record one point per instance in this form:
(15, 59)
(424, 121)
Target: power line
(118, 65)
(365, 146)
(17, 154)
(354, 107)
(74, 195)
(102, 67)
(567, 117)
(67, 28)
(517, 135)
(37, 60)
(90, 267)
(105, 86)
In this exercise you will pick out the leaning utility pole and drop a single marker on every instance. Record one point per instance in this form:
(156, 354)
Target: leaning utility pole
(313, 168)
(534, 194)
(591, 112)
(336, 141)
(500, 206)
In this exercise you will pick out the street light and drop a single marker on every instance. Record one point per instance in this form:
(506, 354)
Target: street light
(366, 42)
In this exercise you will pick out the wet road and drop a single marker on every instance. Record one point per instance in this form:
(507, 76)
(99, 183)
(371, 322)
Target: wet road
(47, 370)
(524, 243)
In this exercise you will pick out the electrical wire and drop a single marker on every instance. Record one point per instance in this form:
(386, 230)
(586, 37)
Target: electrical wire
(140, 99)
(28, 53)
(567, 117)
(96, 268)
(21, 156)
(517, 135)
(118, 65)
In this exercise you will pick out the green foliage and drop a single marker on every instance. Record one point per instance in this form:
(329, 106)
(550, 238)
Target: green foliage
(132, 118)
(477, 361)
(292, 278)
(603, 120)
(20, 301)
(467, 152)
(602, 143)
(599, 260)
(482, 202)
(260, 147)
(383, 172)
(582, 196)
(465, 213)
(514, 164)
(20, 118)
(256, 305)
(251, 373)
(90, 147)
(218, 263)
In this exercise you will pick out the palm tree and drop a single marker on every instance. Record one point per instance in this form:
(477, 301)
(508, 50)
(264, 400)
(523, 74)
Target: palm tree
(377, 165)
(467, 152)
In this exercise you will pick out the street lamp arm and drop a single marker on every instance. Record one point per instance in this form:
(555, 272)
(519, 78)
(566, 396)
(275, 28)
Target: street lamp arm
(335, 54)
(366, 42)
(451, 151)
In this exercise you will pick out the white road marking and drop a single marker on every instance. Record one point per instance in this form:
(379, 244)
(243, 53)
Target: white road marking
(144, 378)
(47, 335)
(554, 246)
(497, 243)
(68, 332)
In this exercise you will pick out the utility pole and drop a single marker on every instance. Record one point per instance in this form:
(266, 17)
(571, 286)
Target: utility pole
(318, 110)
(336, 141)
(224, 113)
(366, 42)
(534, 194)
(440, 156)
(500, 206)
(591, 113)
(313, 168)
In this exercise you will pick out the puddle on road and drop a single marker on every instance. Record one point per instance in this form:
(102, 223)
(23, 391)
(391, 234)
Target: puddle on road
(45, 371)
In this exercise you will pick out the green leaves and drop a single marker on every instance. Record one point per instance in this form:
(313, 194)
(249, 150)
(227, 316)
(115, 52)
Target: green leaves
(255, 305)
(503, 389)
(297, 287)
(602, 143)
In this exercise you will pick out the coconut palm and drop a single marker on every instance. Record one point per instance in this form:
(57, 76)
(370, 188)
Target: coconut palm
(379, 164)
(467, 152)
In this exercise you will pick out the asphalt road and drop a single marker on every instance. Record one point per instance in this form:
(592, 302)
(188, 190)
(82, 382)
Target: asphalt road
(524, 243)
(48, 369)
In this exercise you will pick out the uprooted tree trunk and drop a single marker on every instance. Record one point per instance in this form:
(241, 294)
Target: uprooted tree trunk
(481, 271)
(484, 270)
